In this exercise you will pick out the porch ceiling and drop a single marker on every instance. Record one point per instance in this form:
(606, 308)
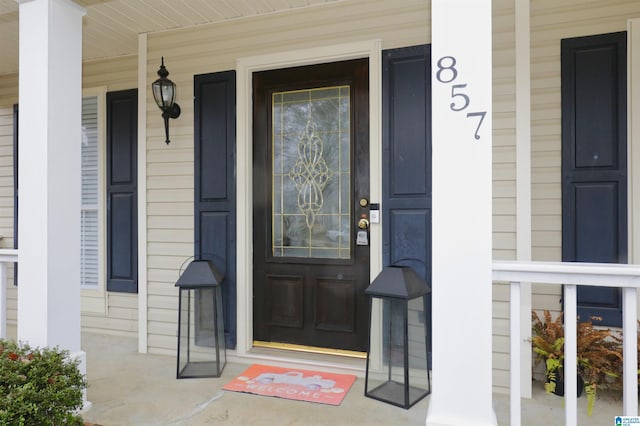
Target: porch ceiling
(111, 27)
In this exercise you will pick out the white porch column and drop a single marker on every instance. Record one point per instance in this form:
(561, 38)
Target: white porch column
(633, 165)
(49, 173)
(462, 208)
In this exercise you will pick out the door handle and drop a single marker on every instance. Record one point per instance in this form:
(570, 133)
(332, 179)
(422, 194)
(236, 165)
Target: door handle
(363, 223)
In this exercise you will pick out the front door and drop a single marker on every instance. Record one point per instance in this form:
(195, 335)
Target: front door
(310, 186)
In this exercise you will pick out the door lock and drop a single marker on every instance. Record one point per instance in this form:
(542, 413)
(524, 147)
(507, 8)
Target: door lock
(363, 223)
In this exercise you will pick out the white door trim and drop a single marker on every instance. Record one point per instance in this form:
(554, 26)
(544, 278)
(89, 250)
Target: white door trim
(633, 141)
(245, 67)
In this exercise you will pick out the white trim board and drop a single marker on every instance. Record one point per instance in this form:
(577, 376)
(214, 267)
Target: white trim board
(633, 141)
(143, 334)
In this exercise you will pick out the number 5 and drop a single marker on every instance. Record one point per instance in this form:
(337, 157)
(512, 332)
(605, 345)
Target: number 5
(465, 98)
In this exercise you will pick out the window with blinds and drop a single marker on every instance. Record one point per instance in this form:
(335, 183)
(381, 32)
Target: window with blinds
(89, 245)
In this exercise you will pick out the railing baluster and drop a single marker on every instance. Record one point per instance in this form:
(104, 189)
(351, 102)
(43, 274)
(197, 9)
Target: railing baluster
(572, 274)
(514, 355)
(630, 352)
(6, 256)
(570, 355)
(3, 300)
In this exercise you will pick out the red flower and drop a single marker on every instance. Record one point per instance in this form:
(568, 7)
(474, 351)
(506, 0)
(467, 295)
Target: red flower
(13, 356)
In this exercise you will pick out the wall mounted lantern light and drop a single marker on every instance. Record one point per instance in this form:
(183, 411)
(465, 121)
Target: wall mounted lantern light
(164, 92)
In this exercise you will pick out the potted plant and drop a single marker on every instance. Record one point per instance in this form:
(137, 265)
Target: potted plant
(599, 355)
(599, 359)
(548, 345)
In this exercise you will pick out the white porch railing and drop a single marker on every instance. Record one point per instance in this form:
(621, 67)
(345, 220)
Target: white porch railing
(7, 256)
(570, 275)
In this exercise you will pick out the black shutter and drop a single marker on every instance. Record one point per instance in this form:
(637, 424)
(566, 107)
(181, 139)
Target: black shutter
(215, 210)
(406, 167)
(406, 146)
(594, 163)
(122, 196)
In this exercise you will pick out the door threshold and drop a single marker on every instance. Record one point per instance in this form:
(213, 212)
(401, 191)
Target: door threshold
(310, 349)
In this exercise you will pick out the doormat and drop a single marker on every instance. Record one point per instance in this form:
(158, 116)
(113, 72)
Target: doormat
(289, 383)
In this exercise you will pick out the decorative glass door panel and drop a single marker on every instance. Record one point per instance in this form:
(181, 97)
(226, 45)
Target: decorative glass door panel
(311, 185)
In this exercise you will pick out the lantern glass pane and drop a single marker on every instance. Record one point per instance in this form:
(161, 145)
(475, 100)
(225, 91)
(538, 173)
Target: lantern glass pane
(418, 366)
(157, 93)
(220, 325)
(163, 92)
(394, 339)
(200, 336)
(183, 329)
(168, 93)
(386, 366)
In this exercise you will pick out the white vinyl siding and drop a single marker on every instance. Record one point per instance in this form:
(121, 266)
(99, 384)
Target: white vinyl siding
(102, 311)
(6, 202)
(504, 178)
(211, 48)
(552, 21)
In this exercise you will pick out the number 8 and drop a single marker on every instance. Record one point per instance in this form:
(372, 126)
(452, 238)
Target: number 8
(451, 68)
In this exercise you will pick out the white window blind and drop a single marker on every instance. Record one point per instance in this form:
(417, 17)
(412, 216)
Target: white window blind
(89, 214)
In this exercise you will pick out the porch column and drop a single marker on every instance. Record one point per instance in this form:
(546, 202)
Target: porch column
(462, 209)
(50, 84)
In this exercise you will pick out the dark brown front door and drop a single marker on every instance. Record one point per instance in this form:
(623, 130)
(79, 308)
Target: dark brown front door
(311, 188)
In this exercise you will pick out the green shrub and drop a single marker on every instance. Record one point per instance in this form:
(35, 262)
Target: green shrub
(39, 386)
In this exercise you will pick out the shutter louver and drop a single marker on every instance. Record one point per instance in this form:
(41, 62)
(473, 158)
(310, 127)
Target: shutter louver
(89, 213)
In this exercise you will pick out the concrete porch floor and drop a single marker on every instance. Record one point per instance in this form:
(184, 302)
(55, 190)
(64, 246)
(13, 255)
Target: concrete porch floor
(129, 388)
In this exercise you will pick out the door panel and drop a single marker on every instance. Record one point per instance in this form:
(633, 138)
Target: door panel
(284, 300)
(311, 168)
(335, 304)
(594, 163)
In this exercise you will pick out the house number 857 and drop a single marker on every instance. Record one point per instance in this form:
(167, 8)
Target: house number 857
(448, 73)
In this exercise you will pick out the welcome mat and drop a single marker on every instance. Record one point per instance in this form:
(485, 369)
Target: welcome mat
(289, 383)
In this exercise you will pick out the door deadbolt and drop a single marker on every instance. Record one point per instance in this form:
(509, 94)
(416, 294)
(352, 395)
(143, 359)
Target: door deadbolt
(364, 202)
(363, 223)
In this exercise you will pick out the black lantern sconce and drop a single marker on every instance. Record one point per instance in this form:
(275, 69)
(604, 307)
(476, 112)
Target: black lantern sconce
(201, 344)
(164, 92)
(397, 356)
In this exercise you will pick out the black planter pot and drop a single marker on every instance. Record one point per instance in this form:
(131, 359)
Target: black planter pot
(559, 380)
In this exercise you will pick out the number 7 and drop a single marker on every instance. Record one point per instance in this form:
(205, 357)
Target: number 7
(480, 114)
